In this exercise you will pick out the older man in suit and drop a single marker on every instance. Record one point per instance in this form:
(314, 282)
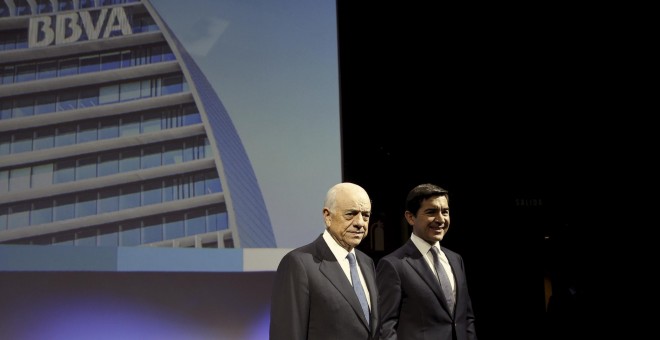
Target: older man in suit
(320, 291)
(422, 289)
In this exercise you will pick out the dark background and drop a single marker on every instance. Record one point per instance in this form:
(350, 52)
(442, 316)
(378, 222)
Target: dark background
(485, 102)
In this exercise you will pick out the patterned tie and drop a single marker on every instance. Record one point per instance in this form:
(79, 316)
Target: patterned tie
(444, 280)
(357, 286)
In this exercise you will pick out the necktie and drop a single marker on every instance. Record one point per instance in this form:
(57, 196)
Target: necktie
(357, 286)
(444, 280)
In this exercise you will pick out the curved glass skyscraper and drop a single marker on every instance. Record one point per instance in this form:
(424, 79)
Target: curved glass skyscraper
(110, 135)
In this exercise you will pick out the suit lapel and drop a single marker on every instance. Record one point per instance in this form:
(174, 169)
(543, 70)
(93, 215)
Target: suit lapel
(419, 264)
(332, 270)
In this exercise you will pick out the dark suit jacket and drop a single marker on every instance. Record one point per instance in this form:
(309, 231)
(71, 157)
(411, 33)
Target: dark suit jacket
(411, 303)
(313, 299)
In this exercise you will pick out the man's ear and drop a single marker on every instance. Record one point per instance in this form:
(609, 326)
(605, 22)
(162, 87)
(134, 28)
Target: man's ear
(409, 217)
(326, 216)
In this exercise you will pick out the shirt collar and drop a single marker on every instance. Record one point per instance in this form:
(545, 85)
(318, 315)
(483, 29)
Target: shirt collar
(422, 245)
(339, 252)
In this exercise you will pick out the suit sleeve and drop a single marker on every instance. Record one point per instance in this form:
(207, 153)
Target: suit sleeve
(472, 333)
(389, 299)
(289, 313)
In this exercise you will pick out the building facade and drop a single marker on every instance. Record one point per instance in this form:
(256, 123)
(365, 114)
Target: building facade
(110, 135)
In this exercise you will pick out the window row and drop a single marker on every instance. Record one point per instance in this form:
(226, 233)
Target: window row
(85, 64)
(89, 97)
(141, 231)
(22, 7)
(100, 129)
(104, 164)
(106, 200)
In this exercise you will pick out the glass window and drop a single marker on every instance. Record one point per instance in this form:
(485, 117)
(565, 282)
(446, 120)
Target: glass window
(26, 72)
(171, 85)
(198, 183)
(109, 128)
(86, 168)
(86, 204)
(22, 142)
(151, 122)
(44, 139)
(64, 208)
(152, 230)
(109, 94)
(152, 193)
(191, 118)
(88, 98)
(156, 53)
(65, 5)
(90, 64)
(190, 150)
(19, 216)
(7, 72)
(5, 144)
(174, 226)
(24, 107)
(67, 101)
(173, 153)
(146, 90)
(22, 7)
(196, 222)
(68, 67)
(130, 126)
(4, 181)
(108, 200)
(86, 237)
(110, 61)
(129, 91)
(42, 175)
(5, 109)
(45, 104)
(167, 53)
(127, 58)
(42, 212)
(87, 4)
(46, 70)
(64, 171)
(44, 6)
(87, 132)
(151, 156)
(21, 39)
(19, 179)
(130, 160)
(130, 197)
(213, 184)
(66, 135)
(216, 219)
(108, 236)
(130, 233)
(108, 164)
(170, 191)
(4, 212)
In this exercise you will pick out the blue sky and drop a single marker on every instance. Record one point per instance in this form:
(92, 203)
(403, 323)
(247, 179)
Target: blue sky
(274, 65)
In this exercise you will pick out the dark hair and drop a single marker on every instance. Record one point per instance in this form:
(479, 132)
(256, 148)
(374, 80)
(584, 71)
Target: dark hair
(421, 192)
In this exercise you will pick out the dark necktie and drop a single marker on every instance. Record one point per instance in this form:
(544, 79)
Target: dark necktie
(444, 280)
(357, 286)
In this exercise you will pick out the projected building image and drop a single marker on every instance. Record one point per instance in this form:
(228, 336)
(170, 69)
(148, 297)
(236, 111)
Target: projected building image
(110, 135)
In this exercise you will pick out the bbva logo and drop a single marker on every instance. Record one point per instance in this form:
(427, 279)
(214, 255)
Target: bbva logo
(68, 27)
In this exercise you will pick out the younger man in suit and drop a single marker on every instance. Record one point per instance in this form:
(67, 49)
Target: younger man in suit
(422, 289)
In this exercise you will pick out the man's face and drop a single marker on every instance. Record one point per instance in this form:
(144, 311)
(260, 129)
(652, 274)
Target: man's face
(432, 221)
(349, 221)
